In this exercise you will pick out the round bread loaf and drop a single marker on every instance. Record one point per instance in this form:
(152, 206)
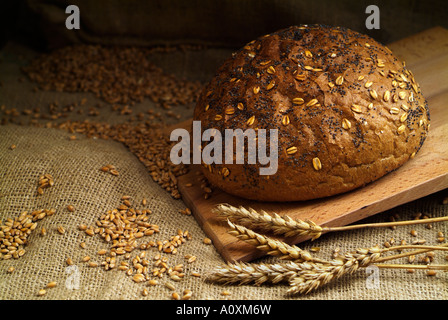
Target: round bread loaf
(346, 109)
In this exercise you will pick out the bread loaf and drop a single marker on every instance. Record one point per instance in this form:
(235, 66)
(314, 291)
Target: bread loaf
(347, 112)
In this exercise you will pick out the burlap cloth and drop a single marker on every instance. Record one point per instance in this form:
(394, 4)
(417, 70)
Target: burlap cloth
(224, 23)
(78, 181)
(75, 166)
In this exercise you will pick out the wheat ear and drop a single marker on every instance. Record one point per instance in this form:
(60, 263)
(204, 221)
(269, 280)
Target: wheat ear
(271, 246)
(264, 221)
(316, 275)
(288, 227)
(244, 273)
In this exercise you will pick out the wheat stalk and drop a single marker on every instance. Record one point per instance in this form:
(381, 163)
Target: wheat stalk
(420, 249)
(303, 272)
(306, 276)
(303, 276)
(289, 227)
(442, 267)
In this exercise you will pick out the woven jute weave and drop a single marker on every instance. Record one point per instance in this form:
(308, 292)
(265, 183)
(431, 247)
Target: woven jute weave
(78, 181)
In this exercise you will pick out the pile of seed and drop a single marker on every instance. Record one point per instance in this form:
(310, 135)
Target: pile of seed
(121, 229)
(15, 232)
(45, 181)
(118, 75)
(111, 169)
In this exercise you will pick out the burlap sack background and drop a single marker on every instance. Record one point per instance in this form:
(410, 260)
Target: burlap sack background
(217, 23)
(78, 181)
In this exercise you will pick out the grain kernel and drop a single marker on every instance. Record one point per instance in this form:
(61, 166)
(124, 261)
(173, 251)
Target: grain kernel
(195, 274)
(152, 282)
(356, 108)
(169, 286)
(312, 102)
(187, 295)
(339, 80)
(291, 150)
(317, 164)
(138, 277)
(61, 229)
(298, 101)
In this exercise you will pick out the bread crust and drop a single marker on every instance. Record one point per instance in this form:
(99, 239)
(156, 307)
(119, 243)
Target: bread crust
(336, 95)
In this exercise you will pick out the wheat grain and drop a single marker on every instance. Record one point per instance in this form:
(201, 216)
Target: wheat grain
(41, 292)
(15, 232)
(187, 294)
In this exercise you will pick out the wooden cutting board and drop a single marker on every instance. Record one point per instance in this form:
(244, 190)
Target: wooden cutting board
(426, 54)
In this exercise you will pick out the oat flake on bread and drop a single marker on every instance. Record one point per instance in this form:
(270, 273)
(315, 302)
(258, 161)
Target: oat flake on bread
(347, 106)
